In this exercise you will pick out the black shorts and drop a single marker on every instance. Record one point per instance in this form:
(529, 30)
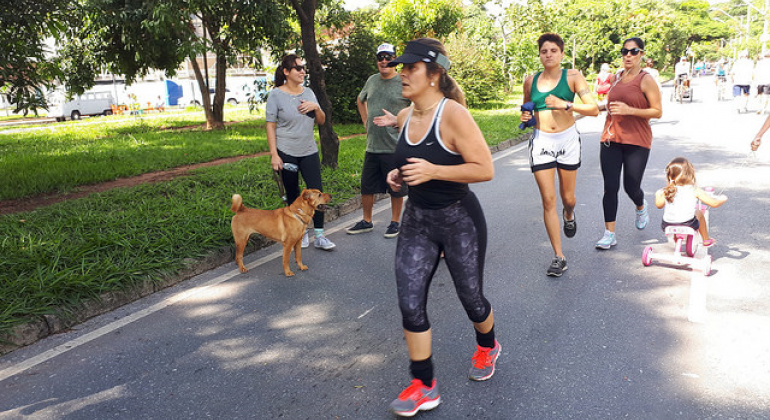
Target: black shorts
(741, 89)
(692, 223)
(375, 172)
(763, 89)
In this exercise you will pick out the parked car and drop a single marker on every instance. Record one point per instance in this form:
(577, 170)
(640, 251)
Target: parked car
(89, 103)
(230, 98)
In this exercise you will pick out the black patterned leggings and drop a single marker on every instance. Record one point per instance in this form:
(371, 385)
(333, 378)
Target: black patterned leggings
(460, 231)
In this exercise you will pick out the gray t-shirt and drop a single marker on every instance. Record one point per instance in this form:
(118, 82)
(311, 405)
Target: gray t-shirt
(293, 130)
(379, 94)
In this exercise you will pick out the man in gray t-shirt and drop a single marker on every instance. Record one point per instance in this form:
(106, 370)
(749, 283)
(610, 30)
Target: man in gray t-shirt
(382, 92)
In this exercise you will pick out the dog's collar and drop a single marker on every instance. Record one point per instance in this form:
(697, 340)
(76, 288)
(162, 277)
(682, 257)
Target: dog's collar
(298, 216)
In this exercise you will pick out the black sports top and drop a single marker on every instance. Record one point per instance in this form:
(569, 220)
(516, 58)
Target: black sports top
(434, 194)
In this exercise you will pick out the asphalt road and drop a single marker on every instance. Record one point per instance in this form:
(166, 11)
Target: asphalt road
(610, 339)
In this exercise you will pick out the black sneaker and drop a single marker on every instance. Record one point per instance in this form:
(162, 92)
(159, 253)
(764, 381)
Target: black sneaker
(392, 230)
(570, 226)
(558, 266)
(361, 227)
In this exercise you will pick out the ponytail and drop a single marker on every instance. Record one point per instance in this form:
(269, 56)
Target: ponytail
(287, 62)
(678, 172)
(449, 87)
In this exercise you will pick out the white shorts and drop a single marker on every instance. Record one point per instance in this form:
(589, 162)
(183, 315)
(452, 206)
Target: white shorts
(555, 150)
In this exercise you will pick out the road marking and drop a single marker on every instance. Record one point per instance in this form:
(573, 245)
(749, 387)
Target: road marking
(366, 312)
(179, 297)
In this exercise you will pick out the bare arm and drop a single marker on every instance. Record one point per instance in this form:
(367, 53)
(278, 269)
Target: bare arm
(758, 138)
(660, 198)
(651, 91)
(363, 111)
(275, 161)
(710, 200)
(526, 115)
(461, 134)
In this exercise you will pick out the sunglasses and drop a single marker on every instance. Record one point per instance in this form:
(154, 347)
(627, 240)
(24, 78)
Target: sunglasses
(386, 57)
(298, 68)
(633, 51)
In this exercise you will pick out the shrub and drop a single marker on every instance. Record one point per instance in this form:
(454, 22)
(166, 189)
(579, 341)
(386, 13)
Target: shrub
(349, 62)
(475, 69)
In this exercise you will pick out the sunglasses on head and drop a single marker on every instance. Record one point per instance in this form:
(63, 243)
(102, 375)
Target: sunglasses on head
(633, 51)
(298, 68)
(386, 57)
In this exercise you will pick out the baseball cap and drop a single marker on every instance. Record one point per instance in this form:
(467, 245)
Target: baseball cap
(416, 51)
(386, 48)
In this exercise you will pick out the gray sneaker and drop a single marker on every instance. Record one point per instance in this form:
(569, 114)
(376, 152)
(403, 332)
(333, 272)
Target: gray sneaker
(557, 268)
(305, 240)
(322, 242)
(484, 359)
(392, 231)
(416, 397)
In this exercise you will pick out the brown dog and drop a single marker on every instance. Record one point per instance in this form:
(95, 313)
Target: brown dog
(285, 225)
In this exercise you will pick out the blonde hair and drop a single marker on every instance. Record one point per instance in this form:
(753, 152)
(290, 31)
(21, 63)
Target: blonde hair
(679, 172)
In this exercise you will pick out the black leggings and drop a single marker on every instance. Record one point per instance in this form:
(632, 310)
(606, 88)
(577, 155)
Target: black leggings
(460, 231)
(310, 168)
(632, 160)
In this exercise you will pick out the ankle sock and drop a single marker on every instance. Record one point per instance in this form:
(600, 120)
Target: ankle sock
(486, 339)
(422, 370)
(319, 232)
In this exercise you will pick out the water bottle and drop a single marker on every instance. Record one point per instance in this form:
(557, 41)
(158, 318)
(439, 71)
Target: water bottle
(291, 167)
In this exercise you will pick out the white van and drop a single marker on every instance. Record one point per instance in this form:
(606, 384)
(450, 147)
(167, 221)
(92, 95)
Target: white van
(89, 103)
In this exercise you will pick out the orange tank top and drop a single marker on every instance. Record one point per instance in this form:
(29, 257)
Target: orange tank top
(628, 129)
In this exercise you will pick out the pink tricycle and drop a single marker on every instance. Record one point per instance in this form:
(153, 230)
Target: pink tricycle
(686, 242)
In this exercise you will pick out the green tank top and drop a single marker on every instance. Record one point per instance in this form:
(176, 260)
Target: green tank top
(561, 91)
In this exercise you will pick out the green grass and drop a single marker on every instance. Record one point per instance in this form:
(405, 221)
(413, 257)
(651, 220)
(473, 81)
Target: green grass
(57, 256)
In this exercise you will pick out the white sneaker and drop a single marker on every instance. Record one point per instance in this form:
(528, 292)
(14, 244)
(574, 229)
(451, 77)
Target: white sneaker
(305, 240)
(607, 241)
(323, 243)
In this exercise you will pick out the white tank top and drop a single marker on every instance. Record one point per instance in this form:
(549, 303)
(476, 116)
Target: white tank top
(683, 207)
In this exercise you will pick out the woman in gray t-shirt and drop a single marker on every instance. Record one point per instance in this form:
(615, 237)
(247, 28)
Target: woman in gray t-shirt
(291, 113)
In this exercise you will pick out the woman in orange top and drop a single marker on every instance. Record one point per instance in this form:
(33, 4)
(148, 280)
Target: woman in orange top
(633, 99)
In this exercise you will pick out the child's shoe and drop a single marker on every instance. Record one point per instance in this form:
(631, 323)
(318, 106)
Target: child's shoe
(709, 242)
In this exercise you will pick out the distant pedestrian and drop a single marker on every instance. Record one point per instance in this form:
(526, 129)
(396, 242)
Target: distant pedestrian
(440, 151)
(554, 148)
(650, 69)
(680, 197)
(743, 73)
(627, 138)
(291, 113)
(381, 95)
(603, 81)
(762, 79)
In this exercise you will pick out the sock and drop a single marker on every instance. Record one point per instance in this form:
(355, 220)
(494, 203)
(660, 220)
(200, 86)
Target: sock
(422, 370)
(486, 339)
(319, 232)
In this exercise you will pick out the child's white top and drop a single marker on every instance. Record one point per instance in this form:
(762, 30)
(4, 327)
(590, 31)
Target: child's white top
(682, 209)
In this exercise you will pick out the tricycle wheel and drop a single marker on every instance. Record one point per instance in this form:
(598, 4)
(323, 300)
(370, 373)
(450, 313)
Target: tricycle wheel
(647, 256)
(691, 246)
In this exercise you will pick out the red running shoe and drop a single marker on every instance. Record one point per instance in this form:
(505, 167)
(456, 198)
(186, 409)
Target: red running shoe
(416, 397)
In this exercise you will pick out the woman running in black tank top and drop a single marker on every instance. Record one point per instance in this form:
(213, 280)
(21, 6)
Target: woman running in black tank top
(440, 151)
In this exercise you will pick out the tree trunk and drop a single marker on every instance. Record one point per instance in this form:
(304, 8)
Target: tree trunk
(205, 98)
(330, 143)
(217, 109)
